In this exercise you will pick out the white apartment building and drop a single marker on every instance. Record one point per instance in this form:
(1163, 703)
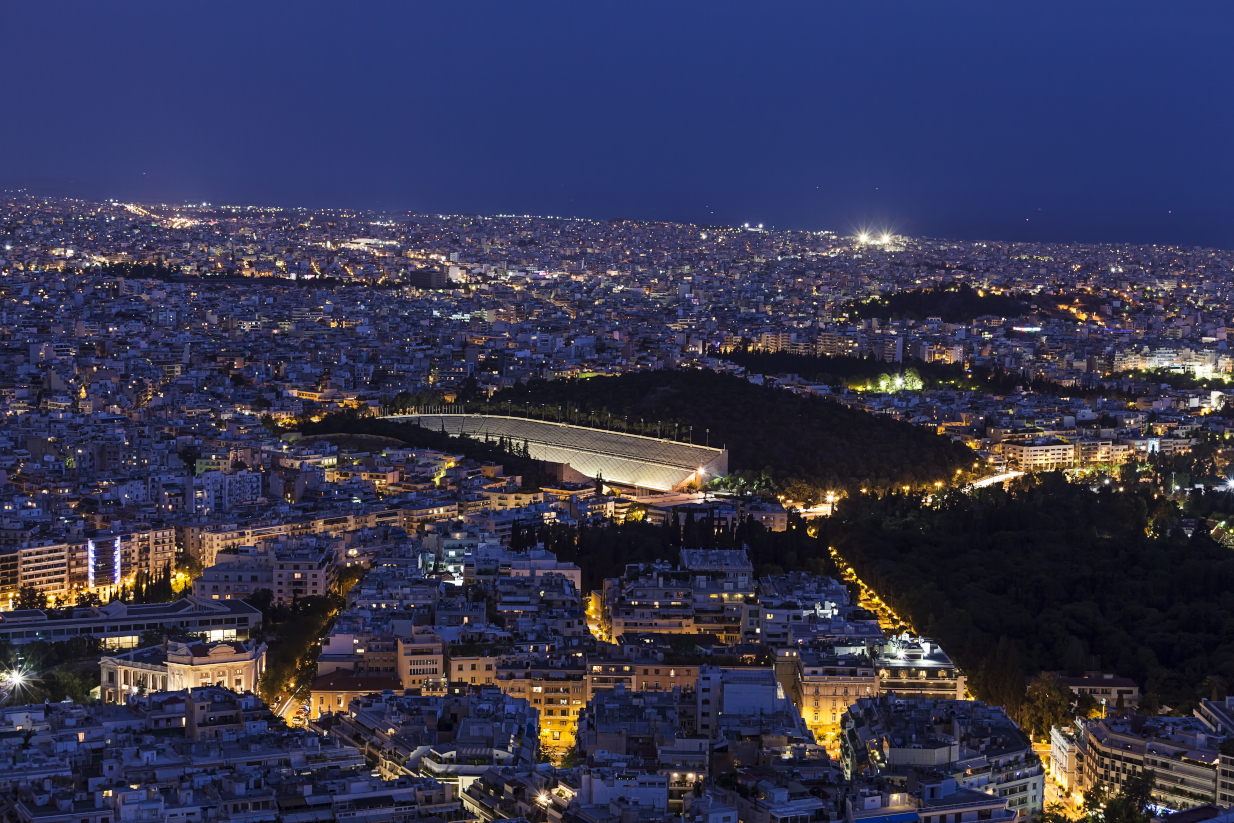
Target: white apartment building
(1040, 455)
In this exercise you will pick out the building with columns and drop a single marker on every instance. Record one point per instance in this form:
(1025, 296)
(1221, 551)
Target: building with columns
(173, 666)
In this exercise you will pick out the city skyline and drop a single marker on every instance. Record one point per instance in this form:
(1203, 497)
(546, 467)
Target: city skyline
(581, 413)
(970, 122)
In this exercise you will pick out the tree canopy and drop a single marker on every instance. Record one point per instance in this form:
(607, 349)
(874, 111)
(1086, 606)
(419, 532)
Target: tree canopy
(1049, 575)
(953, 303)
(774, 437)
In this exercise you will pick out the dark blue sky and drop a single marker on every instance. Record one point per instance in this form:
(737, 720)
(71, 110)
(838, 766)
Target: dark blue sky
(990, 120)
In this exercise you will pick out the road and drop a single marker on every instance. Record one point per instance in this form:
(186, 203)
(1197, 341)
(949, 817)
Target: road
(292, 700)
(1055, 794)
(994, 479)
(868, 599)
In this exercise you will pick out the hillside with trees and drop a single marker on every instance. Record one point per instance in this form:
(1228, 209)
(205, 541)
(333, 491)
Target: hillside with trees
(776, 439)
(953, 303)
(604, 551)
(867, 373)
(853, 372)
(1051, 575)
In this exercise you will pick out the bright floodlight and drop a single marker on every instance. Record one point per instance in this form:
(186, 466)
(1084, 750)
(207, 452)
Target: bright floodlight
(886, 238)
(16, 678)
(863, 237)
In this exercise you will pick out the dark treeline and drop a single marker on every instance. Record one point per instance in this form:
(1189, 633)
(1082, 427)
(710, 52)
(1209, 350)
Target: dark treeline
(1184, 380)
(863, 372)
(150, 587)
(1051, 575)
(775, 438)
(853, 372)
(236, 272)
(53, 671)
(292, 633)
(167, 274)
(604, 551)
(953, 303)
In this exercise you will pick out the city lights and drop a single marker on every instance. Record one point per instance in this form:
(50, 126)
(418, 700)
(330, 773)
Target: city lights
(226, 395)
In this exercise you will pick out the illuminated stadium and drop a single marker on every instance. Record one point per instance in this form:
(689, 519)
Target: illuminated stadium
(623, 459)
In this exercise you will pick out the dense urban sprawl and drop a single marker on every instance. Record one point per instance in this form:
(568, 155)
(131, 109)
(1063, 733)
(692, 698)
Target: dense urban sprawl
(346, 626)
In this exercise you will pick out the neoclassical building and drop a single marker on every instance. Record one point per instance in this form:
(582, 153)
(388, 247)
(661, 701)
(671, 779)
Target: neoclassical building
(174, 666)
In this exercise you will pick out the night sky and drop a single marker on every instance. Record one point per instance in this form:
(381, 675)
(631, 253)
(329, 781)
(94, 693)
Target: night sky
(1050, 121)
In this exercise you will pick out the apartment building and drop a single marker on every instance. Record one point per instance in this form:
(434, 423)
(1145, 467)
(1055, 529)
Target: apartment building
(334, 691)
(1106, 688)
(219, 713)
(655, 600)
(421, 660)
(1067, 758)
(239, 578)
(1218, 715)
(503, 499)
(1041, 454)
(915, 667)
(206, 541)
(103, 561)
(557, 687)
(713, 592)
(979, 745)
(828, 684)
(468, 666)
(1181, 752)
(745, 703)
